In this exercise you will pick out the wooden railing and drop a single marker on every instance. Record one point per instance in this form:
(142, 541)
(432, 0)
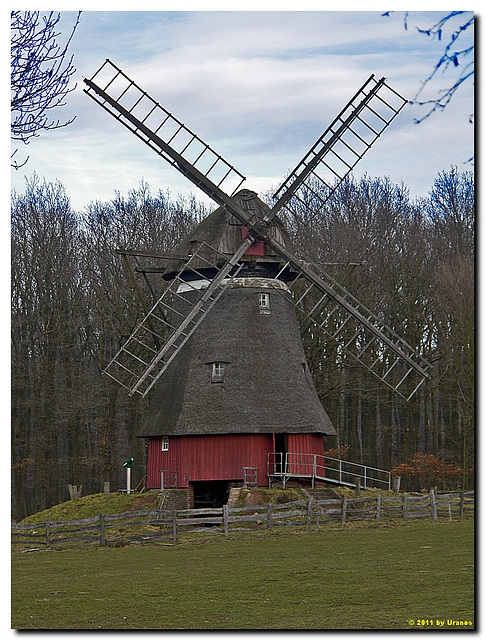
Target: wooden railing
(168, 479)
(159, 524)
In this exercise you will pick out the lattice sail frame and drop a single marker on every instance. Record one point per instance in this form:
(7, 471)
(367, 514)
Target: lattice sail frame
(342, 145)
(164, 330)
(159, 129)
(359, 333)
(166, 135)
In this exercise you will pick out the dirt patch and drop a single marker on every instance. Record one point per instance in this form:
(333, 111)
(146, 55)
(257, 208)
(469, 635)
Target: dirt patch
(147, 501)
(257, 497)
(252, 498)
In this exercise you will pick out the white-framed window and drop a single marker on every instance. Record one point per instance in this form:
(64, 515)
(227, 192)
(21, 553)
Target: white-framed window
(217, 373)
(164, 443)
(263, 303)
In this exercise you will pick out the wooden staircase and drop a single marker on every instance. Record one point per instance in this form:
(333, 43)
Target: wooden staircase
(173, 499)
(323, 493)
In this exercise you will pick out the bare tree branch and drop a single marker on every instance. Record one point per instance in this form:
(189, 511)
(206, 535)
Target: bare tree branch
(453, 57)
(40, 74)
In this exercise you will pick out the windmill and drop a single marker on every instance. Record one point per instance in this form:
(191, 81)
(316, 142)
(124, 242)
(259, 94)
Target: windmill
(243, 251)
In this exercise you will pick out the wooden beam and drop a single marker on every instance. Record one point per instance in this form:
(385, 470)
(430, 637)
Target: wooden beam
(152, 254)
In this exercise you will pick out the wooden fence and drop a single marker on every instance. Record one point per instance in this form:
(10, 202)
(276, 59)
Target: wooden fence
(160, 524)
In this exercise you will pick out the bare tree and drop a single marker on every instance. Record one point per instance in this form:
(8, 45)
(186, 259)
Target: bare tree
(72, 302)
(40, 74)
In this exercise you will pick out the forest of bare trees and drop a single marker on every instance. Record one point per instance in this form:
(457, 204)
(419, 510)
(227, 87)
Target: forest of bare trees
(72, 304)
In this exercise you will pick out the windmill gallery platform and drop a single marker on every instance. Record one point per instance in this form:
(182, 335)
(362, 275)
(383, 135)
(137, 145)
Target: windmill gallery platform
(294, 469)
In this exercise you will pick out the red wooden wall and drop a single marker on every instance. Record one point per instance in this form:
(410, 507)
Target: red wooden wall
(211, 457)
(257, 248)
(222, 457)
(305, 444)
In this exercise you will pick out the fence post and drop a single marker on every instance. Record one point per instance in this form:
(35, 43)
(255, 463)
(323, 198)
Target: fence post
(357, 487)
(270, 518)
(462, 503)
(48, 534)
(309, 513)
(434, 511)
(224, 517)
(106, 489)
(378, 509)
(102, 532)
(397, 484)
(344, 509)
(404, 505)
(74, 492)
(174, 524)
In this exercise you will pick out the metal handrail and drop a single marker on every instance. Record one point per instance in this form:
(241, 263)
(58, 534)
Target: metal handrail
(317, 467)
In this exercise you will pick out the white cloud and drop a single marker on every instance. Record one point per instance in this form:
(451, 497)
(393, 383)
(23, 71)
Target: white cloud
(259, 87)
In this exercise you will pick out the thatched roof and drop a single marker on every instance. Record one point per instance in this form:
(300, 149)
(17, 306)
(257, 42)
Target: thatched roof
(267, 385)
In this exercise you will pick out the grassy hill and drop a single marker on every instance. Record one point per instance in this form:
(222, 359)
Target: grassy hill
(94, 504)
(118, 502)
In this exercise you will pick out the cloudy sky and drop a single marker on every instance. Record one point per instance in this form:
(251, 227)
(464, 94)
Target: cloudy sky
(259, 87)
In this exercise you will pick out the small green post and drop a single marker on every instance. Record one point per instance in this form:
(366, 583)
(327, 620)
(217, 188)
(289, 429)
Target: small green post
(127, 464)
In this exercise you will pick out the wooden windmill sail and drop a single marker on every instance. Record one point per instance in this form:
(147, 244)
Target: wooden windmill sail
(166, 328)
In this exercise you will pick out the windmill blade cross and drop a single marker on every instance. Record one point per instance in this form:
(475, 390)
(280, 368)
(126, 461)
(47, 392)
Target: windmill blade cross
(138, 365)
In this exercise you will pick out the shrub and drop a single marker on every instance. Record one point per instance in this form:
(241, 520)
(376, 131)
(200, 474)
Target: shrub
(425, 471)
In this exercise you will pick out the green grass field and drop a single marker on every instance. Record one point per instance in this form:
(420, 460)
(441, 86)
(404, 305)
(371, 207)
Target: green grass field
(352, 577)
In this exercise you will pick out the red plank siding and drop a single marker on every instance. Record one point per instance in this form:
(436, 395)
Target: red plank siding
(257, 248)
(211, 457)
(306, 444)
